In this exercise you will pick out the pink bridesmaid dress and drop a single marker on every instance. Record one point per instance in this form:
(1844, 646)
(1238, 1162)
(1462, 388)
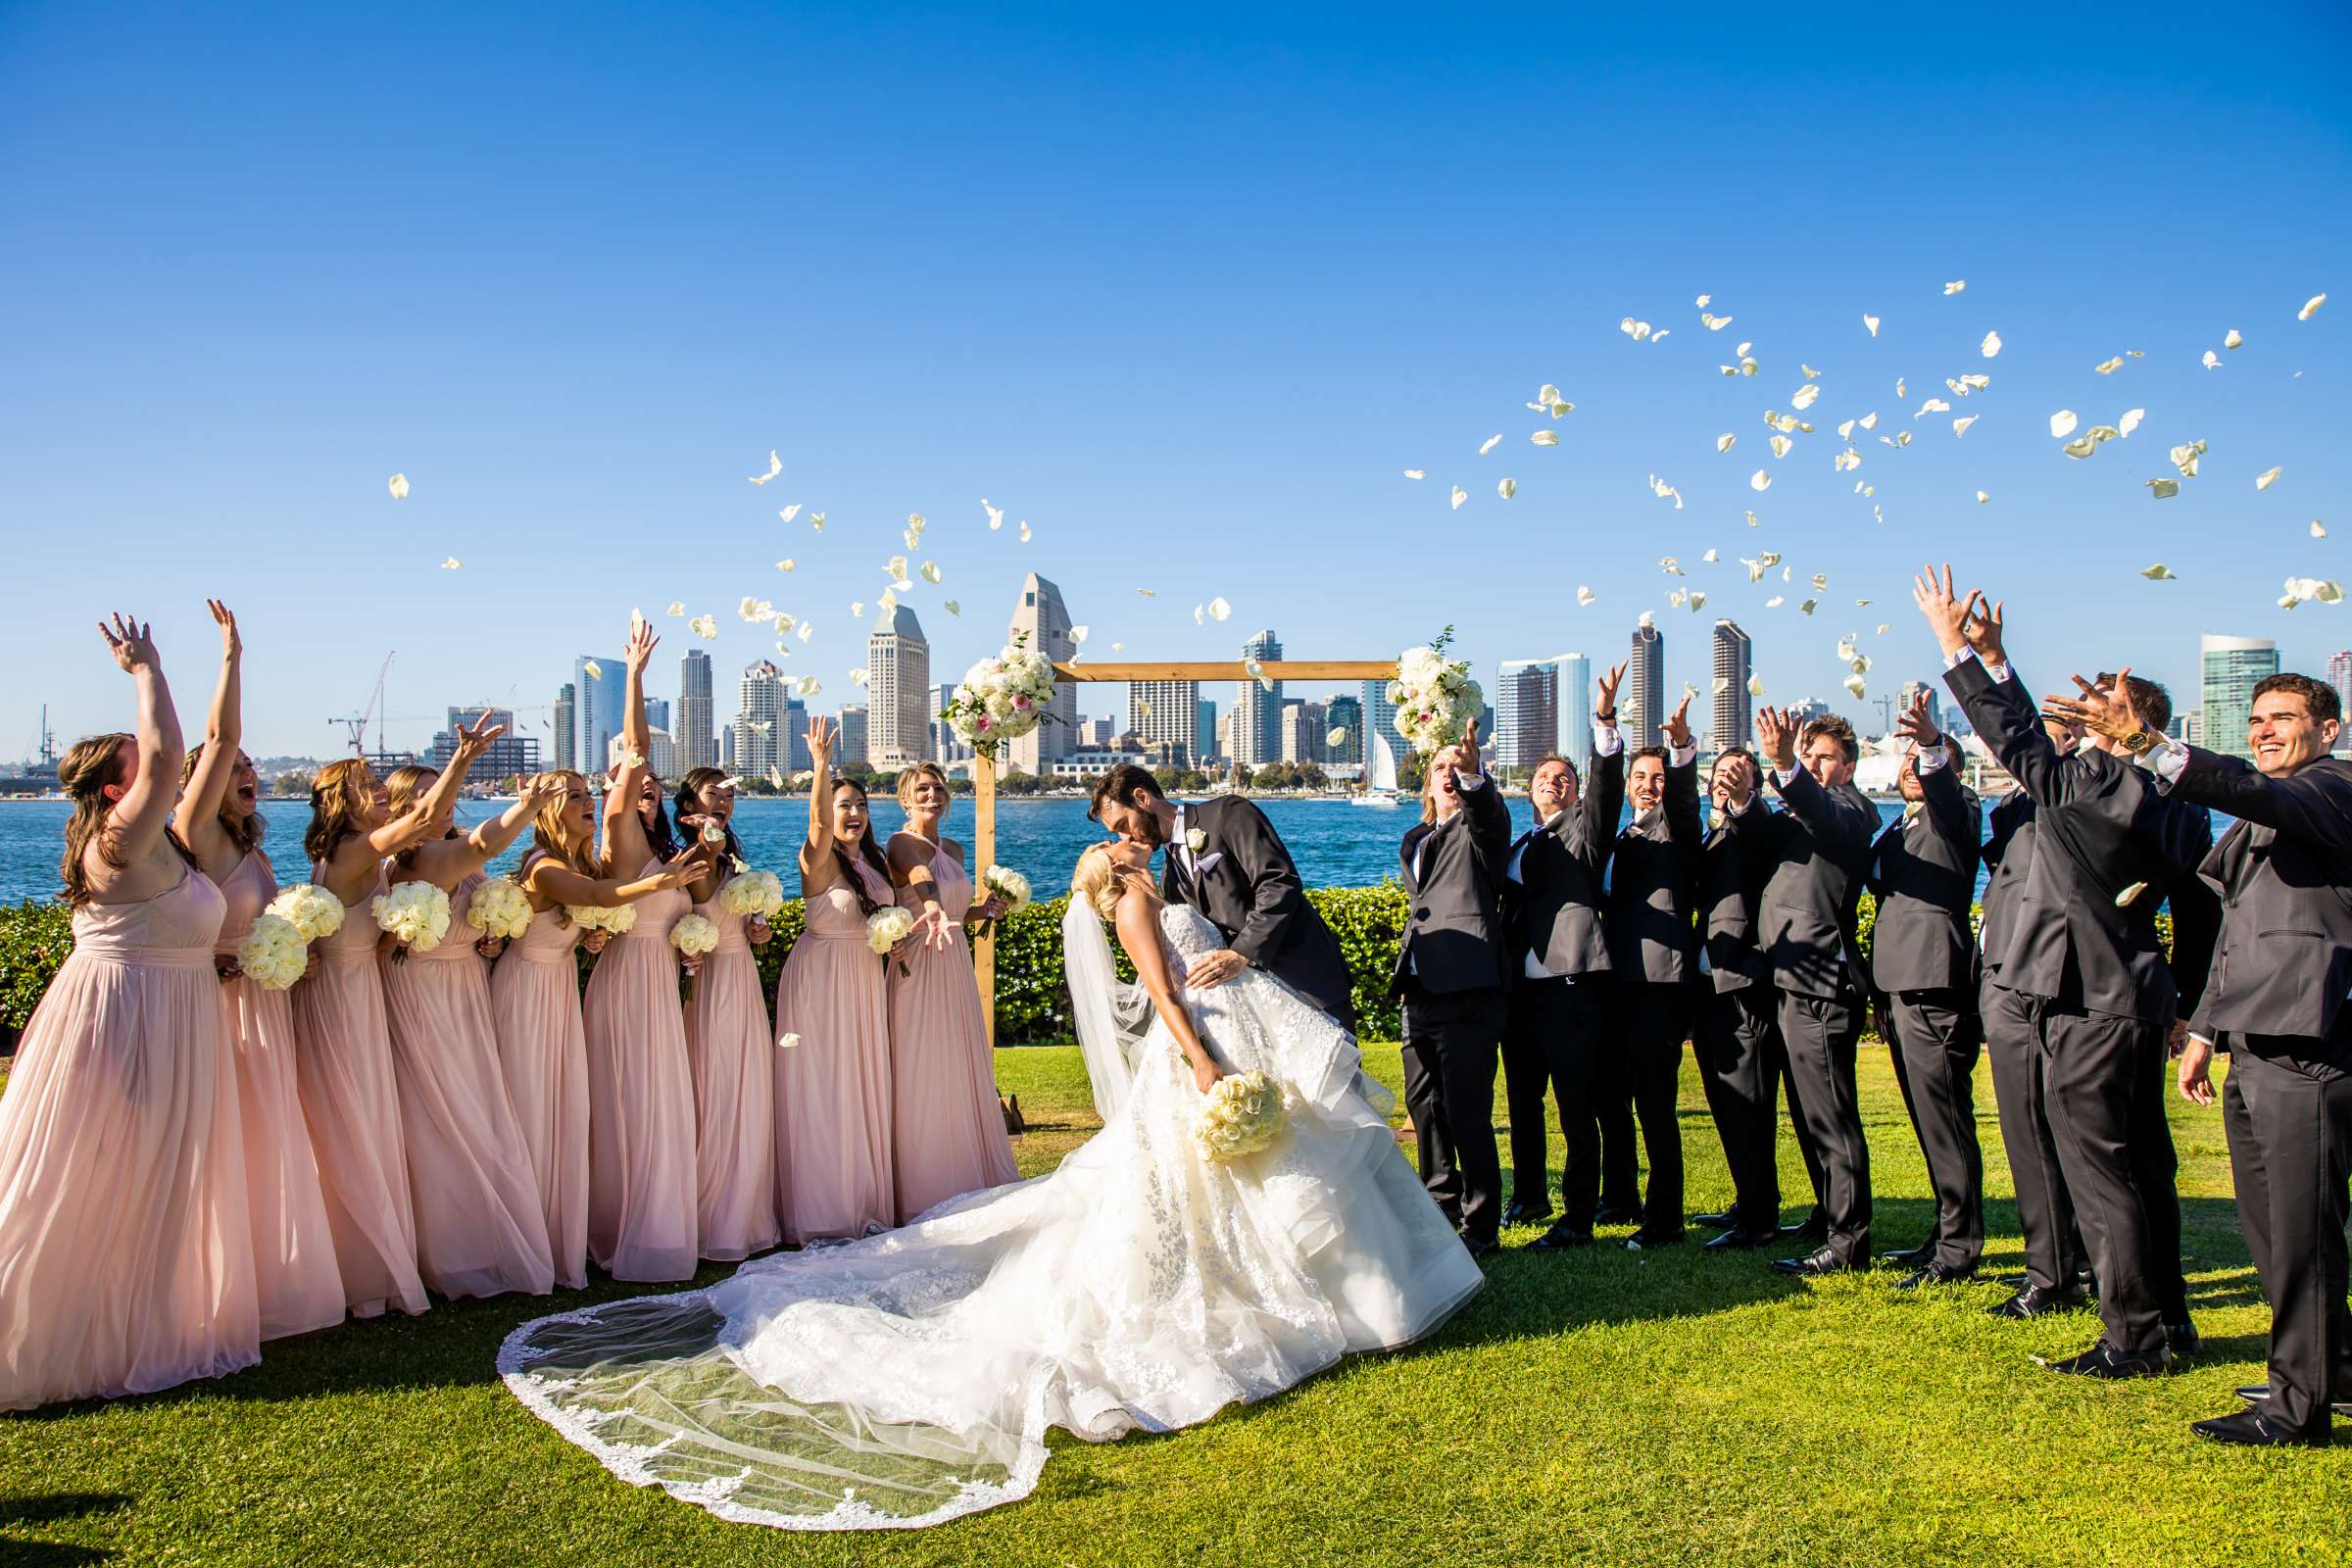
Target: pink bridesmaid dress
(833, 1087)
(293, 1247)
(947, 1128)
(641, 1168)
(125, 1258)
(480, 1227)
(543, 1055)
(344, 1074)
(727, 1046)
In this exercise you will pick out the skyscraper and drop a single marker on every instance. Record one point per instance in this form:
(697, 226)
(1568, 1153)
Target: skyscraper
(657, 712)
(944, 746)
(595, 708)
(1380, 718)
(1302, 730)
(2231, 667)
(1911, 692)
(1346, 715)
(794, 747)
(1734, 664)
(1204, 730)
(2339, 677)
(697, 746)
(852, 747)
(1574, 738)
(1257, 709)
(897, 691)
(1166, 713)
(1642, 704)
(760, 718)
(1527, 715)
(1046, 620)
(567, 755)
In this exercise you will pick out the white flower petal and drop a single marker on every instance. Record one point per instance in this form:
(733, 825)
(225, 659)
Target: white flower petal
(1961, 424)
(1871, 323)
(775, 466)
(2130, 420)
(1506, 488)
(1459, 496)
(1804, 396)
(2212, 361)
(1219, 609)
(451, 564)
(2319, 529)
(1982, 497)
(2311, 306)
(398, 484)
(1725, 441)
(1585, 596)
(2234, 339)
(2109, 366)
(2158, 572)
(1545, 438)
(1489, 444)
(790, 513)
(2266, 478)
(1992, 345)
(1416, 474)
(2164, 489)
(1956, 286)
(1759, 480)
(2062, 423)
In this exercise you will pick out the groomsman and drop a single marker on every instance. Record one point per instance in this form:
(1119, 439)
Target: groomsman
(1742, 1060)
(1653, 955)
(2277, 1003)
(1819, 848)
(1921, 964)
(1560, 987)
(1451, 972)
(2092, 981)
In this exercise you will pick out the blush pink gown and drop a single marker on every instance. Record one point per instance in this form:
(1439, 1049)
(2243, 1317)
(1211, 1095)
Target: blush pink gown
(727, 1046)
(479, 1228)
(293, 1247)
(344, 1074)
(833, 1088)
(126, 1259)
(543, 1055)
(641, 1171)
(947, 1128)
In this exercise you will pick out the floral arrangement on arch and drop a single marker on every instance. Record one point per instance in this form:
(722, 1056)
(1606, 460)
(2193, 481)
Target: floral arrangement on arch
(1435, 699)
(1002, 698)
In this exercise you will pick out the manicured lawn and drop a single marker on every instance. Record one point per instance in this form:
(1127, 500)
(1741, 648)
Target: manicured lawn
(1597, 1407)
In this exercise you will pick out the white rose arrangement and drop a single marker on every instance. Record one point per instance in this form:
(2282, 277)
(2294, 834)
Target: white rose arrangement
(309, 909)
(416, 913)
(500, 910)
(1008, 886)
(694, 936)
(1243, 1113)
(600, 925)
(1435, 699)
(886, 928)
(1002, 698)
(274, 955)
(757, 898)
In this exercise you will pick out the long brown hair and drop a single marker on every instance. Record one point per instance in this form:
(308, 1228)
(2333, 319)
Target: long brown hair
(88, 768)
(402, 790)
(550, 836)
(868, 851)
(688, 802)
(340, 801)
(245, 832)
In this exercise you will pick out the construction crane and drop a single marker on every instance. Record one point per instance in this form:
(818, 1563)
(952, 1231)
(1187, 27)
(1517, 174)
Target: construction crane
(357, 725)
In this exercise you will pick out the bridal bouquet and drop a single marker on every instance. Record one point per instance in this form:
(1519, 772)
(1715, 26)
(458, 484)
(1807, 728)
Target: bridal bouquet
(886, 928)
(600, 923)
(1243, 1113)
(417, 913)
(1435, 699)
(309, 909)
(692, 936)
(499, 910)
(753, 895)
(1001, 698)
(1003, 882)
(274, 955)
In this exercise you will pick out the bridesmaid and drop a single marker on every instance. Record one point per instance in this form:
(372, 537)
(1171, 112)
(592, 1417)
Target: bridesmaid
(220, 818)
(481, 1230)
(833, 1020)
(535, 1007)
(344, 1072)
(125, 1260)
(641, 1168)
(946, 1126)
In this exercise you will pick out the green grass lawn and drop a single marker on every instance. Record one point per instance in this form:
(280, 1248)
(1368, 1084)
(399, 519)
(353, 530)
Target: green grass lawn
(1600, 1406)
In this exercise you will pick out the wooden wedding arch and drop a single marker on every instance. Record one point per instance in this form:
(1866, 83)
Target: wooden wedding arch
(984, 769)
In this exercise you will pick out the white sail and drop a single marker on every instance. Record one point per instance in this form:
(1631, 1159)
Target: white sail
(1384, 763)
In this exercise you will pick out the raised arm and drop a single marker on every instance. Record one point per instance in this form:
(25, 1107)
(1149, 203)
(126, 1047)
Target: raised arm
(1490, 819)
(1685, 826)
(626, 846)
(1276, 894)
(560, 884)
(142, 812)
(198, 813)
(452, 860)
(817, 870)
(1139, 933)
(421, 821)
(1947, 803)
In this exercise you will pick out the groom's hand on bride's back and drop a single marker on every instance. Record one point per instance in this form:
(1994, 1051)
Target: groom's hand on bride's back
(1216, 968)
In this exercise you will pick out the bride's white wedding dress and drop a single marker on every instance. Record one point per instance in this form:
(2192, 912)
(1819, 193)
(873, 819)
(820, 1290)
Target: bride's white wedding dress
(910, 1378)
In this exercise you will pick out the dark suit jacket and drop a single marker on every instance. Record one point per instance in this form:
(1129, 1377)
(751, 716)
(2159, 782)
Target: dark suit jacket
(1554, 908)
(1653, 887)
(1252, 895)
(2284, 874)
(1453, 936)
(2099, 827)
(2008, 858)
(1922, 872)
(1818, 850)
(1730, 901)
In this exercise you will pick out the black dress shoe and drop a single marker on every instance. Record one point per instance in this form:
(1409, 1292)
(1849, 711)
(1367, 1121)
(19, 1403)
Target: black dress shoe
(1815, 1264)
(1479, 1245)
(1723, 1221)
(1644, 1239)
(1936, 1274)
(2256, 1393)
(1736, 1240)
(2035, 1302)
(1814, 1228)
(1909, 1256)
(2253, 1429)
(2103, 1360)
(1560, 1238)
(1518, 1213)
(1617, 1214)
(2181, 1338)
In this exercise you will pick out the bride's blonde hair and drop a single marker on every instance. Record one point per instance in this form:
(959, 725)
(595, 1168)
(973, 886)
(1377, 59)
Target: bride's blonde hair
(1100, 880)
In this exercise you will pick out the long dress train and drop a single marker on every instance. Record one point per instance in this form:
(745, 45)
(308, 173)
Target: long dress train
(641, 1216)
(910, 1378)
(543, 1056)
(833, 1173)
(727, 1046)
(947, 1128)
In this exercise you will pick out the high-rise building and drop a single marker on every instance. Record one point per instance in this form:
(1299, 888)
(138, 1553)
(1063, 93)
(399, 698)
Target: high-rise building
(2339, 677)
(660, 754)
(567, 739)
(1303, 730)
(946, 748)
(759, 719)
(1380, 718)
(1163, 712)
(726, 748)
(854, 741)
(1806, 711)
(1098, 731)
(1204, 730)
(897, 691)
(600, 686)
(2231, 666)
(1042, 622)
(1527, 716)
(1224, 745)
(1911, 692)
(1573, 736)
(1642, 705)
(698, 747)
(511, 755)
(794, 749)
(1735, 666)
(1257, 708)
(1344, 716)
(657, 712)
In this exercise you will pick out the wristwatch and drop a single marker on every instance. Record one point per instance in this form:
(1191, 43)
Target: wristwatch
(2139, 743)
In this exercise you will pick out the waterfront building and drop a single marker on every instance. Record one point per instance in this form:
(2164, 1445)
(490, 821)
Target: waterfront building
(2230, 666)
(1734, 707)
(1166, 713)
(512, 755)
(595, 708)
(1046, 620)
(1526, 712)
(697, 745)
(1257, 708)
(897, 691)
(760, 718)
(1642, 707)
(568, 754)
(854, 739)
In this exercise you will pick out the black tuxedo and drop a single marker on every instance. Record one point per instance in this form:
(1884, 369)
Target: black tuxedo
(1252, 895)
(1653, 953)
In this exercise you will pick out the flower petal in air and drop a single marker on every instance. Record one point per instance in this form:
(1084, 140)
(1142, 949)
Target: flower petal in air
(398, 484)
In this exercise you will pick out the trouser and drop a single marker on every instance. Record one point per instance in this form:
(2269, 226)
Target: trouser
(1822, 1034)
(1549, 1041)
(1613, 1122)
(2287, 1107)
(2046, 1212)
(1817, 1178)
(1935, 1036)
(1450, 1038)
(1741, 1064)
(1652, 1022)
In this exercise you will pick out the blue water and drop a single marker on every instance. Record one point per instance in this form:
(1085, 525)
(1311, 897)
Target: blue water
(1336, 845)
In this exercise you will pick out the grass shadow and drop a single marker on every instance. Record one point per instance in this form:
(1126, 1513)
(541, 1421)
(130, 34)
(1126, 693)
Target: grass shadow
(43, 1508)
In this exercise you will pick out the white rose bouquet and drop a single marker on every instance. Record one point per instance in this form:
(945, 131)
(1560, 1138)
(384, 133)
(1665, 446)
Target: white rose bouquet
(309, 909)
(1243, 1113)
(500, 910)
(1002, 698)
(1435, 699)
(417, 913)
(274, 955)
(694, 936)
(886, 928)
(755, 896)
(1002, 883)
(601, 924)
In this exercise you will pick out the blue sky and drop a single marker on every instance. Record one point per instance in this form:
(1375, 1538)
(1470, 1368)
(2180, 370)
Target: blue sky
(1186, 292)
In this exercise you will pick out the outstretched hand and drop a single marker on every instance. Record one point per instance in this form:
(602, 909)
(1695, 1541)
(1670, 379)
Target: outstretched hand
(126, 639)
(231, 645)
(476, 741)
(821, 734)
(1775, 737)
(1606, 707)
(642, 641)
(1677, 728)
(2103, 710)
(1916, 727)
(1946, 614)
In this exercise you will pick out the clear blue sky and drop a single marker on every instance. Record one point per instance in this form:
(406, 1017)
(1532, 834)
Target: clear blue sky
(1186, 291)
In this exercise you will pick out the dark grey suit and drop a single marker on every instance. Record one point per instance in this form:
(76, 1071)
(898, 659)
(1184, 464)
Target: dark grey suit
(1654, 957)
(2276, 1002)
(1450, 971)
(1923, 967)
(1252, 895)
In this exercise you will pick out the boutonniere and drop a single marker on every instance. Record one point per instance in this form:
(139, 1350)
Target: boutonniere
(1194, 839)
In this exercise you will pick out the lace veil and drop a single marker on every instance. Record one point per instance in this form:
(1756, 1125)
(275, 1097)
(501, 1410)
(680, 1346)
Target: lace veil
(1112, 1015)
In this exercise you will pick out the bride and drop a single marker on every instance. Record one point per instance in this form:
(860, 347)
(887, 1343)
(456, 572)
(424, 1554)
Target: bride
(909, 1378)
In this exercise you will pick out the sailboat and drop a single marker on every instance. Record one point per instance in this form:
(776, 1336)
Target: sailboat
(1380, 787)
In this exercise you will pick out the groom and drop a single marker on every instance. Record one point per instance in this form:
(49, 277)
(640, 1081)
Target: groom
(1225, 859)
